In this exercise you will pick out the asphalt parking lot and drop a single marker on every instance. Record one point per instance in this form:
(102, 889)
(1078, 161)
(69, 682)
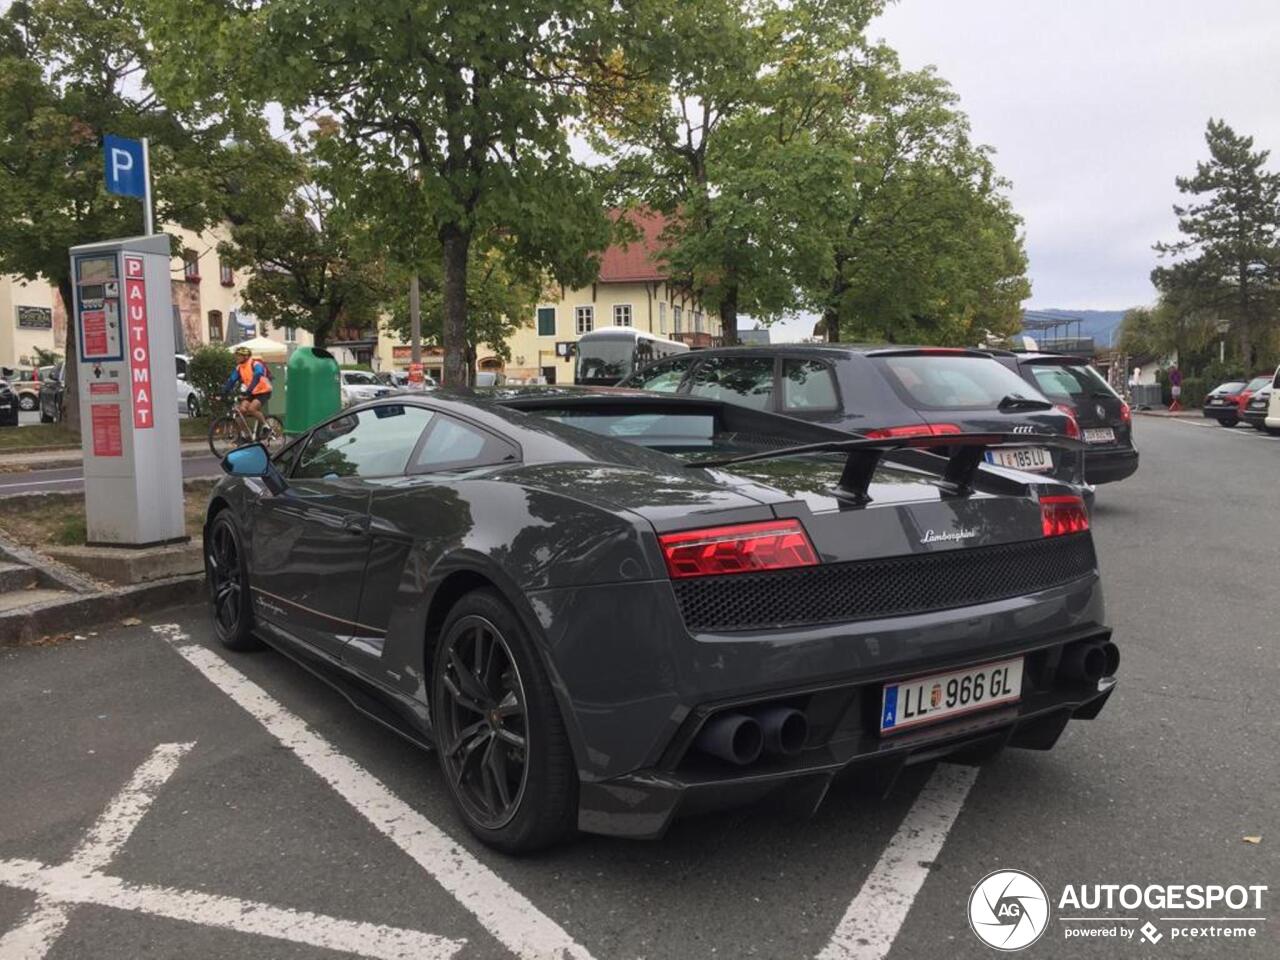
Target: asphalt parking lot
(164, 798)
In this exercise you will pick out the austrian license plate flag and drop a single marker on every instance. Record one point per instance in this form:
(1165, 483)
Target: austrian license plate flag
(911, 703)
(1022, 458)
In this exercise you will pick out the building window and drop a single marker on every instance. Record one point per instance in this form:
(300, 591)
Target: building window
(215, 326)
(662, 316)
(191, 265)
(676, 313)
(546, 321)
(697, 321)
(225, 276)
(622, 314)
(584, 319)
(290, 334)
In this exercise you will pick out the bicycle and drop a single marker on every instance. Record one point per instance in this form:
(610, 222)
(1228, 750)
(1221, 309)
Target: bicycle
(233, 430)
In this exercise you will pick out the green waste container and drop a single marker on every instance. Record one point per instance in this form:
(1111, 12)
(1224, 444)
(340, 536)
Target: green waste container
(313, 389)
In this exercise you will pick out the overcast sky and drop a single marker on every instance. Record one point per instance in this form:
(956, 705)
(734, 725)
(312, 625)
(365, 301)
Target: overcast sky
(1093, 107)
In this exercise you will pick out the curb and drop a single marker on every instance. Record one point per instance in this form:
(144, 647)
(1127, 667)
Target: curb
(62, 463)
(76, 613)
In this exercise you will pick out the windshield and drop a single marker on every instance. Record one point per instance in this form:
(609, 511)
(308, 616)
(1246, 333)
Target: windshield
(1257, 383)
(605, 361)
(660, 431)
(952, 381)
(362, 379)
(1070, 381)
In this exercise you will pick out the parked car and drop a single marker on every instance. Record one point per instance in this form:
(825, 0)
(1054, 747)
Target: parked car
(49, 398)
(1272, 421)
(598, 634)
(1223, 402)
(392, 378)
(190, 401)
(879, 391)
(8, 404)
(27, 386)
(1255, 411)
(359, 386)
(1105, 420)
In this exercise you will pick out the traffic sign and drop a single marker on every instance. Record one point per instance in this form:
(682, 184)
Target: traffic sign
(126, 170)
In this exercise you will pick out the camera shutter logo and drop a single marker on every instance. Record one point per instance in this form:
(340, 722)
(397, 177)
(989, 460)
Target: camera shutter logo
(1008, 910)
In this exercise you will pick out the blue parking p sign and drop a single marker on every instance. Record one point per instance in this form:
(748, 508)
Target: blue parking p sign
(125, 171)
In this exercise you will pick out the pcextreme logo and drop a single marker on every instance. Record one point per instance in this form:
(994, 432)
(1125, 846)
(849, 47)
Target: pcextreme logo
(1008, 910)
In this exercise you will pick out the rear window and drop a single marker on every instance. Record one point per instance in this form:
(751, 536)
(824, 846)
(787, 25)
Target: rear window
(1069, 381)
(952, 381)
(747, 381)
(1235, 386)
(660, 431)
(807, 385)
(1257, 383)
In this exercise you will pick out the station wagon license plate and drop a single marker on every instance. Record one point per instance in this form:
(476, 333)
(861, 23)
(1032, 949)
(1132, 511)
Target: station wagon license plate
(1099, 435)
(1022, 458)
(911, 703)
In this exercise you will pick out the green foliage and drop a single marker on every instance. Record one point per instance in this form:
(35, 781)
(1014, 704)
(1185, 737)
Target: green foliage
(1228, 261)
(208, 369)
(312, 259)
(501, 292)
(43, 357)
(452, 116)
(70, 72)
(927, 247)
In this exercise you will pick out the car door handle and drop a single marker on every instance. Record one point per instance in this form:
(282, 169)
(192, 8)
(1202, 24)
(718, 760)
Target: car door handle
(355, 524)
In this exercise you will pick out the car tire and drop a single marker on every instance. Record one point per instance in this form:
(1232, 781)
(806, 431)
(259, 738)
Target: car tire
(1272, 431)
(193, 407)
(44, 417)
(480, 745)
(1227, 423)
(227, 573)
(26, 402)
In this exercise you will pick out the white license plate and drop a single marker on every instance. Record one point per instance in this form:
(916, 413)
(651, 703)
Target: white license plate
(910, 703)
(1099, 435)
(1022, 458)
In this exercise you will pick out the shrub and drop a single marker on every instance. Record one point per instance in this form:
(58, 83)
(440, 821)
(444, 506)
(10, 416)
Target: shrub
(208, 370)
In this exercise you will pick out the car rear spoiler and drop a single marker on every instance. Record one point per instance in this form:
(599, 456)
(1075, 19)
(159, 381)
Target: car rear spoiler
(965, 454)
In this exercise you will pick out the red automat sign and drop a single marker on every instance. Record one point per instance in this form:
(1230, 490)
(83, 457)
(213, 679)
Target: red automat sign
(135, 299)
(98, 389)
(105, 422)
(94, 323)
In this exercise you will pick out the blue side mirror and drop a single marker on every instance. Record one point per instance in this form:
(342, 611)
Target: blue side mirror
(250, 461)
(253, 461)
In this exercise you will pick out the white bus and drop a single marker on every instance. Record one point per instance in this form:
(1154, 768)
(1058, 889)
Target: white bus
(606, 356)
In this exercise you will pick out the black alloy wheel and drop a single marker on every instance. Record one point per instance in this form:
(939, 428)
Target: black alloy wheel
(503, 749)
(27, 401)
(228, 579)
(484, 737)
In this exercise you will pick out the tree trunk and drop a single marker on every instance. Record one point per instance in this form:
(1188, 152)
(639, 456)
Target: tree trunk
(70, 367)
(729, 316)
(831, 324)
(1242, 327)
(456, 245)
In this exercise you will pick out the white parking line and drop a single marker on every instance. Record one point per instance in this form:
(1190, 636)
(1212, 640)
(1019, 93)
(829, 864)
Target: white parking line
(70, 883)
(869, 926)
(512, 919)
(32, 939)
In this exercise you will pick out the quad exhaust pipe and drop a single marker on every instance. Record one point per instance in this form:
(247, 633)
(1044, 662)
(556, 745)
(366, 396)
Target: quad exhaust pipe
(741, 738)
(1090, 661)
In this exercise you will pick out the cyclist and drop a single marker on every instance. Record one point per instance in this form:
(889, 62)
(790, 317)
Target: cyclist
(254, 381)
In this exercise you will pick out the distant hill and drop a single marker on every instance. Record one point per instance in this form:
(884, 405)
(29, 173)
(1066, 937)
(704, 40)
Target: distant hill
(1102, 325)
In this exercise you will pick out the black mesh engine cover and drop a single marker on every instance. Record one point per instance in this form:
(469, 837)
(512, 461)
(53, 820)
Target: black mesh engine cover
(893, 586)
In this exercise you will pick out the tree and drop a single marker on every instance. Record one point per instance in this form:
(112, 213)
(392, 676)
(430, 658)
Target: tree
(500, 291)
(926, 246)
(1231, 239)
(314, 262)
(1170, 327)
(723, 135)
(454, 116)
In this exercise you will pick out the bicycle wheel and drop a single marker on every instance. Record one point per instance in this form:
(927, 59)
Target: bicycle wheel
(224, 435)
(272, 437)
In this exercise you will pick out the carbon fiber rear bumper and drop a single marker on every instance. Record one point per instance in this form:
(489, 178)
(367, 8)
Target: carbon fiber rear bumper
(643, 805)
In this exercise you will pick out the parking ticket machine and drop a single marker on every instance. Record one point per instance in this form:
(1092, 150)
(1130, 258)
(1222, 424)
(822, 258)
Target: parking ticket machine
(128, 392)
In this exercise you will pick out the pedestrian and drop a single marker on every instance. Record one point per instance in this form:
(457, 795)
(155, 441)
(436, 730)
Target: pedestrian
(1175, 387)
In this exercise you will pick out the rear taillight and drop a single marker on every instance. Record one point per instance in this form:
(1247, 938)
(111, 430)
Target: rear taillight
(1062, 515)
(1125, 413)
(741, 548)
(913, 430)
(1073, 428)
